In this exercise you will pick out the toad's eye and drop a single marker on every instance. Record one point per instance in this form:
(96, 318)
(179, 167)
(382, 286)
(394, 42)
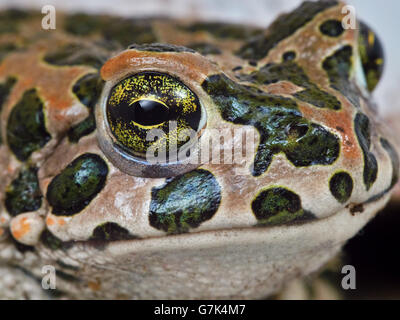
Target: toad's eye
(372, 55)
(149, 114)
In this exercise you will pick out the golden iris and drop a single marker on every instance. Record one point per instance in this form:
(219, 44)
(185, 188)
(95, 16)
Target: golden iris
(151, 100)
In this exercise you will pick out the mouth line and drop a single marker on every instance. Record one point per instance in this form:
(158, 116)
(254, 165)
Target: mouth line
(335, 229)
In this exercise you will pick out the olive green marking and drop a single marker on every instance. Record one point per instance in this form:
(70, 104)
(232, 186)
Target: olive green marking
(286, 25)
(338, 67)
(341, 186)
(290, 71)
(73, 189)
(122, 30)
(279, 206)
(75, 54)
(223, 30)
(5, 89)
(23, 194)
(50, 241)
(10, 20)
(111, 231)
(87, 89)
(363, 132)
(371, 54)
(82, 24)
(184, 202)
(204, 48)
(332, 28)
(160, 47)
(83, 128)
(128, 31)
(279, 122)
(26, 131)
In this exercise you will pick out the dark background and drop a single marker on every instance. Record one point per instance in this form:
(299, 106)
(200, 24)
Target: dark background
(375, 253)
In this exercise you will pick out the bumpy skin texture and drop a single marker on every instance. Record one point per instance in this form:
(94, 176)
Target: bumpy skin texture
(321, 168)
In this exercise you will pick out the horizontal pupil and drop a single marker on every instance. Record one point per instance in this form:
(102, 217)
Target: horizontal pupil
(148, 112)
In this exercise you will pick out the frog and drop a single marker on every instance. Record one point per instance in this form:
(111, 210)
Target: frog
(104, 124)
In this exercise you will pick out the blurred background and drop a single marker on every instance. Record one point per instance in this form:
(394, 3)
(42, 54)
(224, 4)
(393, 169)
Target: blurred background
(374, 251)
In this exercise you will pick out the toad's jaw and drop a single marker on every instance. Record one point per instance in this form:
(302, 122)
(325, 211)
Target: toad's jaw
(260, 260)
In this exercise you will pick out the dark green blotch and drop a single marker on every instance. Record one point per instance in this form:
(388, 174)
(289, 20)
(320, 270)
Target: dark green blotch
(341, 186)
(5, 89)
(286, 25)
(111, 231)
(290, 71)
(372, 56)
(184, 202)
(26, 131)
(50, 241)
(279, 122)
(10, 20)
(87, 90)
(125, 31)
(223, 30)
(83, 128)
(204, 48)
(160, 47)
(16, 14)
(73, 189)
(332, 28)
(128, 31)
(363, 132)
(83, 24)
(23, 194)
(278, 206)
(75, 54)
(338, 67)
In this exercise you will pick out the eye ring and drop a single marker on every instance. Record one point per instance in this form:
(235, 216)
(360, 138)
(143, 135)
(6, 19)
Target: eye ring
(120, 152)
